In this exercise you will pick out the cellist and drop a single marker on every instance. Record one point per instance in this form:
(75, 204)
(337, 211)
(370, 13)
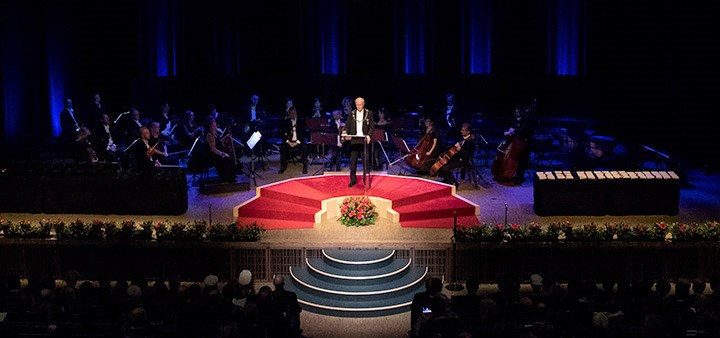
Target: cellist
(425, 153)
(462, 157)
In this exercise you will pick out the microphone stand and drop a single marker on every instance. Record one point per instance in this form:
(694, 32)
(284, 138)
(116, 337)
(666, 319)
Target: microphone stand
(454, 285)
(119, 116)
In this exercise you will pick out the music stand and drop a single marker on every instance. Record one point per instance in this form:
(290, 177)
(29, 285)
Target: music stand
(252, 142)
(402, 146)
(323, 139)
(379, 135)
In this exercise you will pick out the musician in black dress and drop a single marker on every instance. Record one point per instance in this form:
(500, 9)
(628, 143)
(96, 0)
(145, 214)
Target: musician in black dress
(462, 157)
(360, 122)
(294, 137)
(217, 148)
(189, 131)
(383, 124)
(432, 151)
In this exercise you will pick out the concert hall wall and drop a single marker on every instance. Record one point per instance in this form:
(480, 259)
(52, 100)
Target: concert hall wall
(650, 68)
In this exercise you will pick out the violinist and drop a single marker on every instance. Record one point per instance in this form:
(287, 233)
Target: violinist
(217, 155)
(83, 149)
(464, 150)
(158, 141)
(145, 161)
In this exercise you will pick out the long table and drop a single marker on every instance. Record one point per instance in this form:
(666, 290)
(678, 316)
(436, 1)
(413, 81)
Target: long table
(566, 193)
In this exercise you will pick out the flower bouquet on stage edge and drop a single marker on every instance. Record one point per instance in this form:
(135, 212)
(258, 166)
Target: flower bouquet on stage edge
(357, 211)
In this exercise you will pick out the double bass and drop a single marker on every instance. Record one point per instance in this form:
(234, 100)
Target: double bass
(507, 158)
(417, 156)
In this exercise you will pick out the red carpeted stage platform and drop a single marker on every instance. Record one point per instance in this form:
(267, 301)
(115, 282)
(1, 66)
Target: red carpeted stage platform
(305, 201)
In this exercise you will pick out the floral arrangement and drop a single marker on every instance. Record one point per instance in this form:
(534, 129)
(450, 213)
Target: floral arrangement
(656, 232)
(130, 230)
(357, 211)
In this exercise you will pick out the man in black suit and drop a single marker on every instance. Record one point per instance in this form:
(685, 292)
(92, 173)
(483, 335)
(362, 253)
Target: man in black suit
(294, 137)
(288, 306)
(69, 124)
(360, 122)
(462, 155)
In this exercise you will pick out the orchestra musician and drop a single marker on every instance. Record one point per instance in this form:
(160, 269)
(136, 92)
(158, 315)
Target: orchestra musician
(452, 114)
(166, 124)
(144, 153)
(336, 125)
(317, 108)
(190, 131)
(132, 128)
(513, 156)
(431, 153)
(382, 123)
(83, 150)
(105, 137)
(218, 155)
(461, 156)
(69, 124)
(360, 124)
(158, 141)
(294, 137)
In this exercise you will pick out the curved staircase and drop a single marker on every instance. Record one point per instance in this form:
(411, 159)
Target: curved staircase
(357, 283)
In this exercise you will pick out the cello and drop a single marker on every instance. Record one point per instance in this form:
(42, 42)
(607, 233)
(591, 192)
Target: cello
(417, 156)
(507, 158)
(443, 159)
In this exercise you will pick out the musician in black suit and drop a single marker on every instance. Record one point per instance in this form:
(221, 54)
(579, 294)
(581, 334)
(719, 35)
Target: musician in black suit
(105, 138)
(144, 153)
(462, 154)
(69, 125)
(336, 125)
(252, 111)
(523, 127)
(452, 114)
(360, 122)
(294, 137)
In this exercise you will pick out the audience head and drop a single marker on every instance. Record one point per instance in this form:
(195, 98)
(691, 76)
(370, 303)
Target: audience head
(279, 281)
(245, 278)
(472, 285)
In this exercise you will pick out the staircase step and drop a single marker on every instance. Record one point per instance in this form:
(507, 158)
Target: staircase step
(358, 256)
(438, 208)
(386, 274)
(357, 287)
(276, 209)
(315, 300)
(295, 192)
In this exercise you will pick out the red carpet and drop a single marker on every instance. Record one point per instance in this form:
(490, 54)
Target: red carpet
(292, 204)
